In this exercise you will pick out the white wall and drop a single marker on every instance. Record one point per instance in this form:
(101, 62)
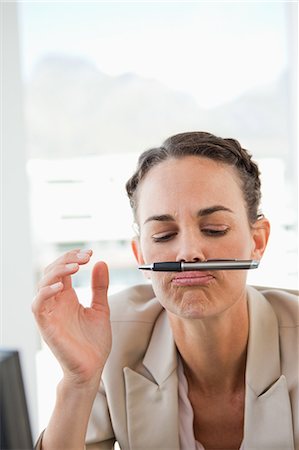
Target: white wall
(17, 326)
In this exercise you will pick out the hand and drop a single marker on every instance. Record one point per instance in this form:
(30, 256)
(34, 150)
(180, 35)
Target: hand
(79, 337)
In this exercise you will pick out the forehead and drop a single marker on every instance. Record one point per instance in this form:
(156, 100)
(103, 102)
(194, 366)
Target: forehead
(189, 182)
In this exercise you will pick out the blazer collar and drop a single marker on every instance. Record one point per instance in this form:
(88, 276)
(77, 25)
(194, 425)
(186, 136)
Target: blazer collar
(268, 415)
(263, 357)
(152, 406)
(161, 356)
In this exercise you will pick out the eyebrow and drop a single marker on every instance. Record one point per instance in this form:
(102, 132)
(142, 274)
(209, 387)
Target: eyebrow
(212, 209)
(201, 213)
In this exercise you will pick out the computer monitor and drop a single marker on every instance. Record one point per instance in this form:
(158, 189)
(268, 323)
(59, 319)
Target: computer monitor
(15, 427)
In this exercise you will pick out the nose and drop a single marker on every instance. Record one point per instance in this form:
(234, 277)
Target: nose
(190, 247)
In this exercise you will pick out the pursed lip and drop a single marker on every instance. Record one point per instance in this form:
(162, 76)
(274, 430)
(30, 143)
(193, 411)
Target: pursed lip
(192, 278)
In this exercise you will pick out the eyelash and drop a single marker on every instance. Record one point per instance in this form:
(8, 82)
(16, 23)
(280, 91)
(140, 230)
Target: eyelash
(164, 238)
(215, 233)
(208, 232)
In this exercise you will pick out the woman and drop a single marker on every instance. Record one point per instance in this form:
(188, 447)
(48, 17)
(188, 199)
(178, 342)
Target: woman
(196, 360)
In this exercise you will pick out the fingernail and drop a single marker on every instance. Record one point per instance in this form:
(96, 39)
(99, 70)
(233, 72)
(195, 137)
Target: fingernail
(56, 286)
(83, 254)
(71, 266)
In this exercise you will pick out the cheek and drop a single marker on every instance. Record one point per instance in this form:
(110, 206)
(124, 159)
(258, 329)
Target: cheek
(161, 283)
(247, 245)
(238, 245)
(152, 252)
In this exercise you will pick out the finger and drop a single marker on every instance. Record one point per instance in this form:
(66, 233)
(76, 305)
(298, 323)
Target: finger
(99, 286)
(46, 293)
(61, 272)
(74, 256)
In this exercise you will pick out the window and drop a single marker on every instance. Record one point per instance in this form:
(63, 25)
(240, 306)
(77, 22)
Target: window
(105, 80)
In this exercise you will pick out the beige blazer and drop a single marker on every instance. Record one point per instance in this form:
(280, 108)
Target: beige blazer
(137, 403)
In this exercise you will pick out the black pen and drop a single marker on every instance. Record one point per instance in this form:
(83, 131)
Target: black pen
(210, 264)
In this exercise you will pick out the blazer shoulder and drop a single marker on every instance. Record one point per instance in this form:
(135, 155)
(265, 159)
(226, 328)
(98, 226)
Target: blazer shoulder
(285, 304)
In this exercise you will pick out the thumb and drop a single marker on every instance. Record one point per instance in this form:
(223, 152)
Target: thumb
(99, 286)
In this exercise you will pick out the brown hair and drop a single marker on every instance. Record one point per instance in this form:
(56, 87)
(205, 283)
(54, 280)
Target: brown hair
(206, 145)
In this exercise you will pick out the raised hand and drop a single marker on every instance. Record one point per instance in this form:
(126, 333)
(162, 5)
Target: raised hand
(79, 337)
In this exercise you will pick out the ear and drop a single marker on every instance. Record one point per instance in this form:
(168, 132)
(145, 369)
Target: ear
(260, 235)
(135, 245)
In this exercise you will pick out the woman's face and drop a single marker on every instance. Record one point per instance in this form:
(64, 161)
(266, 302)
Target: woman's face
(192, 209)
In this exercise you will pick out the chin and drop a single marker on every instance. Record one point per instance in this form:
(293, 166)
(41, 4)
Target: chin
(190, 307)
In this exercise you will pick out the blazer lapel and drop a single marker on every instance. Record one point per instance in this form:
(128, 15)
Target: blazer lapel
(268, 416)
(152, 405)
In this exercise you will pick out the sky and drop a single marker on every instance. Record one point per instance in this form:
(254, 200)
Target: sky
(214, 51)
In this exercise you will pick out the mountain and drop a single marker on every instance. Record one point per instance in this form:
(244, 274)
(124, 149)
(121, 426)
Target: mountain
(72, 109)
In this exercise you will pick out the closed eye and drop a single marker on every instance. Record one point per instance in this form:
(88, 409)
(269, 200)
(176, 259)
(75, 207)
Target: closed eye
(164, 237)
(214, 232)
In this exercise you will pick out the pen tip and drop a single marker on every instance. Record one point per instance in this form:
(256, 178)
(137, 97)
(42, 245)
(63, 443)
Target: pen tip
(145, 267)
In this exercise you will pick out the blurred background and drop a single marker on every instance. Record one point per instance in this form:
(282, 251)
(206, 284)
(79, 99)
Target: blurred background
(86, 87)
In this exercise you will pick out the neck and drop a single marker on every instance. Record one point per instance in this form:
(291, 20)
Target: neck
(213, 349)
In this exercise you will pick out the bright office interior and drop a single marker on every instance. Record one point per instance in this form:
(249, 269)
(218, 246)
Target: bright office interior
(86, 87)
